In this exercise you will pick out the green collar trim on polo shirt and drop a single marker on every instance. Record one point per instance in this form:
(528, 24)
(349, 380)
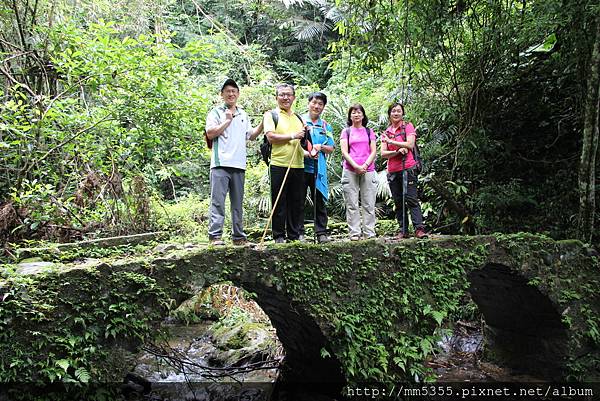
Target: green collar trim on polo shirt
(216, 153)
(237, 112)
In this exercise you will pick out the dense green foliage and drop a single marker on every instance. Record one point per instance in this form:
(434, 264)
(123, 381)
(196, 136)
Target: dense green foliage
(103, 106)
(78, 347)
(500, 87)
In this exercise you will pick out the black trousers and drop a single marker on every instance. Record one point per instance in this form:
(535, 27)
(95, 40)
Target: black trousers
(321, 217)
(412, 202)
(289, 212)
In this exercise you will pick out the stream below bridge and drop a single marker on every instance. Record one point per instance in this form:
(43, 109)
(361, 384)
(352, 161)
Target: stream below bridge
(194, 365)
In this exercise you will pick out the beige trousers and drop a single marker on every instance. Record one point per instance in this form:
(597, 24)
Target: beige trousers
(364, 188)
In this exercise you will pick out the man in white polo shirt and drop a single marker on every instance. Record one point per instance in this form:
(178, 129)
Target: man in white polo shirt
(229, 127)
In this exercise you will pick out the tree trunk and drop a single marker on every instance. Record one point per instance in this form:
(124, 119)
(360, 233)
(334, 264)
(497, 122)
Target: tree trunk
(587, 165)
(467, 221)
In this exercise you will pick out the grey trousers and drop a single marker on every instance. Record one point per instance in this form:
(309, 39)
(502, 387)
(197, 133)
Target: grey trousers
(363, 187)
(223, 180)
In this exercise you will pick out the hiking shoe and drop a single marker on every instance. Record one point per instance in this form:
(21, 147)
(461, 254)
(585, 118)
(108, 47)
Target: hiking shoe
(216, 242)
(355, 238)
(402, 236)
(323, 239)
(420, 233)
(301, 238)
(280, 240)
(241, 242)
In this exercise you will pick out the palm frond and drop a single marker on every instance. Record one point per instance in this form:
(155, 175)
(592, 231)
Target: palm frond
(290, 3)
(334, 14)
(382, 120)
(309, 30)
(318, 3)
(260, 201)
(336, 203)
(383, 188)
(442, 137)
(337, 111)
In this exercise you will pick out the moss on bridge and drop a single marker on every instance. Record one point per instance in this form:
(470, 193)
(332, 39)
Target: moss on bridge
(375, 304)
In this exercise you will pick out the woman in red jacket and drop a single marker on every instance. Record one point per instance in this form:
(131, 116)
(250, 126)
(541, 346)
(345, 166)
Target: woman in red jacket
(397, 145)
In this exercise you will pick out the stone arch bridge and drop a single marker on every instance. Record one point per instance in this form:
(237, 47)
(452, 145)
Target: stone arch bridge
(343, 311)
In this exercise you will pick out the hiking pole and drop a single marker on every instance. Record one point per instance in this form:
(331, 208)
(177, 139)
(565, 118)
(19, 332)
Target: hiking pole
(262, 240)
(404, 189)
(315, 198)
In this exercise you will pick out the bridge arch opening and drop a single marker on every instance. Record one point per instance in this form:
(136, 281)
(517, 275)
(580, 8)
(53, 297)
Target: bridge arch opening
(302, 341)
(523, 328)
(303, 369)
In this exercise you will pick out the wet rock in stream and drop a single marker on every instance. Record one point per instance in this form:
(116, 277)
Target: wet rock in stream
(233, 359)
(461, 358)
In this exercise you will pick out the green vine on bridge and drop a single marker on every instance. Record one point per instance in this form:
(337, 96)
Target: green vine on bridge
(387, 328)
(381, 305)
(69, 339)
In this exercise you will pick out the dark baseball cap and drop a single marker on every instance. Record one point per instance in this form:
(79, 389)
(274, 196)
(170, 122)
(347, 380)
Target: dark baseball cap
(229, 82)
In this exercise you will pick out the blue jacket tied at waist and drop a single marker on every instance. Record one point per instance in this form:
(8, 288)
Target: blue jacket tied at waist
(321, 134)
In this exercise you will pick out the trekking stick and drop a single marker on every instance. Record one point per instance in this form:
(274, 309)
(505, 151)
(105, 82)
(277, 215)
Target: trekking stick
(262, 240)
(404, 188)
(315, 199)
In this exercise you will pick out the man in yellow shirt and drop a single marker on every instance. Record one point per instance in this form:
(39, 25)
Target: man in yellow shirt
(284, 137)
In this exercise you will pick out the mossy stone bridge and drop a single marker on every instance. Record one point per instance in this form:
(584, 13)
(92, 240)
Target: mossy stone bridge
(343, 311)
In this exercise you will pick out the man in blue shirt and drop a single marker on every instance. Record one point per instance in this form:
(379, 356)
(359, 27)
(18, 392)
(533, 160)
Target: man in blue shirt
(315, 162)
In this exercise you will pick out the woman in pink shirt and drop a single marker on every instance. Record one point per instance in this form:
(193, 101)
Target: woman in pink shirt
(359, 178)
(397, 144)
